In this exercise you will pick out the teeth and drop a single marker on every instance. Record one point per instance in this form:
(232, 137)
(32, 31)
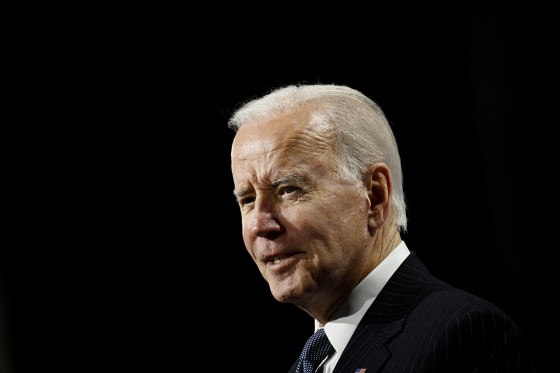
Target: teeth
(276, 261)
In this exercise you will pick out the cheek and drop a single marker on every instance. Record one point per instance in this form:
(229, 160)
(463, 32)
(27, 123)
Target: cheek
(246, 235)
(343, 209)
(346, 222)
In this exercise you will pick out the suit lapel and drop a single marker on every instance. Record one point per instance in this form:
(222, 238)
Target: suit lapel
(383, 320)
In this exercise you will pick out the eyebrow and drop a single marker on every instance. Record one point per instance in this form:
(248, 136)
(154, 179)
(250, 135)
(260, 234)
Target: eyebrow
(288, 178)
(237, 193)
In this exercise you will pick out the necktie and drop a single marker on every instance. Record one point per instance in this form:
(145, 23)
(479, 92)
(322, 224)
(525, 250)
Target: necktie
(315, 350)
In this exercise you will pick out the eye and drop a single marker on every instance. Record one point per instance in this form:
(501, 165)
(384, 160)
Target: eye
(245, 201)
(289, 190)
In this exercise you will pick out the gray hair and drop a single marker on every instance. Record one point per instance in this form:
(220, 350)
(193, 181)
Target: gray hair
(363, 135)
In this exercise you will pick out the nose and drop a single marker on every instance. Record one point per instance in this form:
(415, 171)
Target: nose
(263, 222)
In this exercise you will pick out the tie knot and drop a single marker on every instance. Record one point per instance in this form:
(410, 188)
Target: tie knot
(316, 349)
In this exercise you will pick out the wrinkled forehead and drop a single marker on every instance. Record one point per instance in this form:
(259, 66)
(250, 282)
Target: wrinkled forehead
(287, 143)
(295, 130)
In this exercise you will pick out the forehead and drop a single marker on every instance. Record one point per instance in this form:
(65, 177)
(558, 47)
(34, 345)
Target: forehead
(292, 139)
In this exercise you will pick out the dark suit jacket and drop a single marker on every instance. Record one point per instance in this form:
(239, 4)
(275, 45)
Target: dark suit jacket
(419, 323)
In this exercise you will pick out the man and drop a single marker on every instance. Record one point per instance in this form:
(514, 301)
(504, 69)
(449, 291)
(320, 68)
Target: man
(318, 179)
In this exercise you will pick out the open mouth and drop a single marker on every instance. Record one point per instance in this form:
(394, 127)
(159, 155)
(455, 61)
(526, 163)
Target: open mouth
(276, 260)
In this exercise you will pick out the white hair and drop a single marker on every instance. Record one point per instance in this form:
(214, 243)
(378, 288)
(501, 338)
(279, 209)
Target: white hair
(363, 135)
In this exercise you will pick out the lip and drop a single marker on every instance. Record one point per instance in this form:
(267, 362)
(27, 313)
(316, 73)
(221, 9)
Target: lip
(278, 261)
(280, 265)
(277, 256)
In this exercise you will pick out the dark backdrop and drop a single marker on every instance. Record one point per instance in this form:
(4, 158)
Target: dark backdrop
(121, 242)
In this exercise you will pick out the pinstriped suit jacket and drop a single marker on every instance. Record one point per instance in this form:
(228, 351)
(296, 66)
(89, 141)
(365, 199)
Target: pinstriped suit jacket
(419, 323)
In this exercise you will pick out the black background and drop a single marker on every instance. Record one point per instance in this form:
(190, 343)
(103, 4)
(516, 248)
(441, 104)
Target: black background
(121, 242)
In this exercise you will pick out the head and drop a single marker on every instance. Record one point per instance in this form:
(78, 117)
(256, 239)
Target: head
(317, 176)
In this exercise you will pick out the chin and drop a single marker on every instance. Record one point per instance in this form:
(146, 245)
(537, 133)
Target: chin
(286, 293)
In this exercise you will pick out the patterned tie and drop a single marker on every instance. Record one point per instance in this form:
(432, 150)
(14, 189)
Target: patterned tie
(315, 350)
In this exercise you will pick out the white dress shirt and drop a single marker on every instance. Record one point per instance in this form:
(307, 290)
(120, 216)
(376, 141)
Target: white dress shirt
(345, 320)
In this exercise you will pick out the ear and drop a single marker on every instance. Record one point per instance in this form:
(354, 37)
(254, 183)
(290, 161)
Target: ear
(378, 183)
